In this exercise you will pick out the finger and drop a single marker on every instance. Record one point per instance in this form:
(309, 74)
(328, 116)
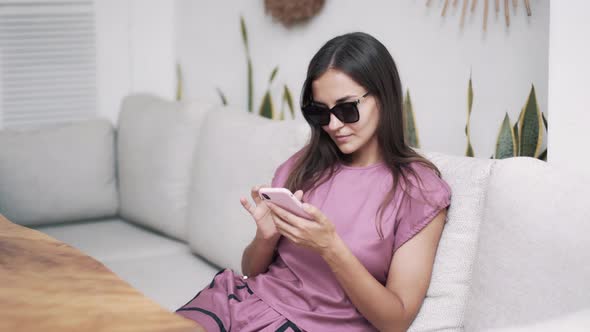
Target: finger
(254, 193)
(247, 205)
(299, 194)
(286, 229)
(314, 212)
(287, 217)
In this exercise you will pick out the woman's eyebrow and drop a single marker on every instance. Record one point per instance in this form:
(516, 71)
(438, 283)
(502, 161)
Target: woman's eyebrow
(337, 101)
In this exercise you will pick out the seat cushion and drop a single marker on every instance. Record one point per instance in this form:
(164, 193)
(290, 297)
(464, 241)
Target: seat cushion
(61, 172)
(161, 268)
(236, 151)
(171, 279)
(533, 254)
(446, 299)
(578, 321)
(156, 142)
(113, 239)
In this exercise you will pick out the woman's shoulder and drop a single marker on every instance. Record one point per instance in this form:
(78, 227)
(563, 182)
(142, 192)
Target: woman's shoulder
(424, 181)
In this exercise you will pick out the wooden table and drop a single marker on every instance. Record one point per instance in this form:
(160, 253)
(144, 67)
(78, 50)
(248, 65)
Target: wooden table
(47, 285)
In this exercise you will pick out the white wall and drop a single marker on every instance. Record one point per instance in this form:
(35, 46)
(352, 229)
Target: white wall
(135, 51)
(433, 56)
(569, 70)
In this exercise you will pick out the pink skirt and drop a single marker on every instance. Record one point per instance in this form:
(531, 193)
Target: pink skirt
(228, 304)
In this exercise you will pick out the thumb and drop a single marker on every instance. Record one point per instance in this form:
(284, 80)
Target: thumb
(298, 194)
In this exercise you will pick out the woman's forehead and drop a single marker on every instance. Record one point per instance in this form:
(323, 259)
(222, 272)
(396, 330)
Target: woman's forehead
(333, 86)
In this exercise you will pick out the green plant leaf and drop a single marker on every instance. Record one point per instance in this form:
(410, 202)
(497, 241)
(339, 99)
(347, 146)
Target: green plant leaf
(545, 121)
(411, 132)
(289, 99)
(469, 97)
(250, 87)
(178, 82)
(222, 96)
(273, 74)
(469, 151)
(244, 32)
(529, 127)
(267, 108)
(543, 155)
(505, 143)
(516, 137)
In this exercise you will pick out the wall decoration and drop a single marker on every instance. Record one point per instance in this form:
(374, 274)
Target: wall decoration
(497, 8)
(290, 12)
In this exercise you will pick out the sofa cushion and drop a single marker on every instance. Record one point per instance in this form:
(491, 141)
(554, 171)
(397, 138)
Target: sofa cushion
(113, 239)
(533, 252)
(156, 142)
(446, 298)
(59, 172)
(236, 151)
(578, 321)
(171, 279)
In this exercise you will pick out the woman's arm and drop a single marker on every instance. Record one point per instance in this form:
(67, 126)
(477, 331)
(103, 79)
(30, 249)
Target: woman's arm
(393, 307)
(258, 255)
(389, 308)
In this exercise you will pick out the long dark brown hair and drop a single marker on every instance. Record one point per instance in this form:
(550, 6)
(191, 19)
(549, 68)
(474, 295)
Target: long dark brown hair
(365, 60)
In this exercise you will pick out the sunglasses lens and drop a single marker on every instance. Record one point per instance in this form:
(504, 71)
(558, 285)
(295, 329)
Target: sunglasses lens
(346, 112)
(316, 115)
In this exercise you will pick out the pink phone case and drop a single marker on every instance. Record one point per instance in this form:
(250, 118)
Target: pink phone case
(285, 199)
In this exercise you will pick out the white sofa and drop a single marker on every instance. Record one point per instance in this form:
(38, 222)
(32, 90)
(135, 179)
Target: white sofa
(157, 201)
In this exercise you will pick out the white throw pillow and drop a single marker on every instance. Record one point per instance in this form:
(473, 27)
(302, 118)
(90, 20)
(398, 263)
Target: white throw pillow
(156, 142)
(446, 299)
(57, 173)
(237, 150)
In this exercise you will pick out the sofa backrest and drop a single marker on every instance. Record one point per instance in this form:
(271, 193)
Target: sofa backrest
(58, 173)
(236, 150)
(155, 147)
(533, 256)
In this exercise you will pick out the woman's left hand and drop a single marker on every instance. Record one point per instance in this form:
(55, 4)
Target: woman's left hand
(317, 234)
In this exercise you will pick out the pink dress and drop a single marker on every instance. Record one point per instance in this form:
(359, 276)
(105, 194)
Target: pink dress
(299, 291)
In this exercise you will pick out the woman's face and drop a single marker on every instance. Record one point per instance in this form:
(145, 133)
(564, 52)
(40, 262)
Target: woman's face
(357, 138)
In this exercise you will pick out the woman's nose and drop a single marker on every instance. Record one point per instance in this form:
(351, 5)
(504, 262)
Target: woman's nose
(334, 123)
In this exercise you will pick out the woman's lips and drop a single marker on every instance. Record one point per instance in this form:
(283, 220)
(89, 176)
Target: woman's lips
(343, 138)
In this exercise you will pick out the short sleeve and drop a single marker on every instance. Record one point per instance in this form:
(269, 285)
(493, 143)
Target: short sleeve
(422, 202)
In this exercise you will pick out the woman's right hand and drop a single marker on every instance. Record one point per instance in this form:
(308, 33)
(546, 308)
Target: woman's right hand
(263, 216)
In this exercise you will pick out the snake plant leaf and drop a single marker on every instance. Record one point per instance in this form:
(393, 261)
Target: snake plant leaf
(516, 138)
(178, 82)
(273, 75)
(544, 121)
(244, 32)
(543, 155)
(469, 151)
(267, 108)
(529, 127)
(411, 133)
(222, 96)
(469, 97)
(249, 64)
(505, 143)
(288, 97)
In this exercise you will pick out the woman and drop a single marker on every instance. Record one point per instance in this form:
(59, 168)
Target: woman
(365, 260)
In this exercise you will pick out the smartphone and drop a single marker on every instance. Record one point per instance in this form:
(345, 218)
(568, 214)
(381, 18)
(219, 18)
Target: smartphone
(285, 199)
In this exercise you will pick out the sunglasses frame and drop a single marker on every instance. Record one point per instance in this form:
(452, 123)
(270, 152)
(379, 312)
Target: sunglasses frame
(354, 104)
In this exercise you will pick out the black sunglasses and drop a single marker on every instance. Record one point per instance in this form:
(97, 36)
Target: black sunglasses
(347, 112)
